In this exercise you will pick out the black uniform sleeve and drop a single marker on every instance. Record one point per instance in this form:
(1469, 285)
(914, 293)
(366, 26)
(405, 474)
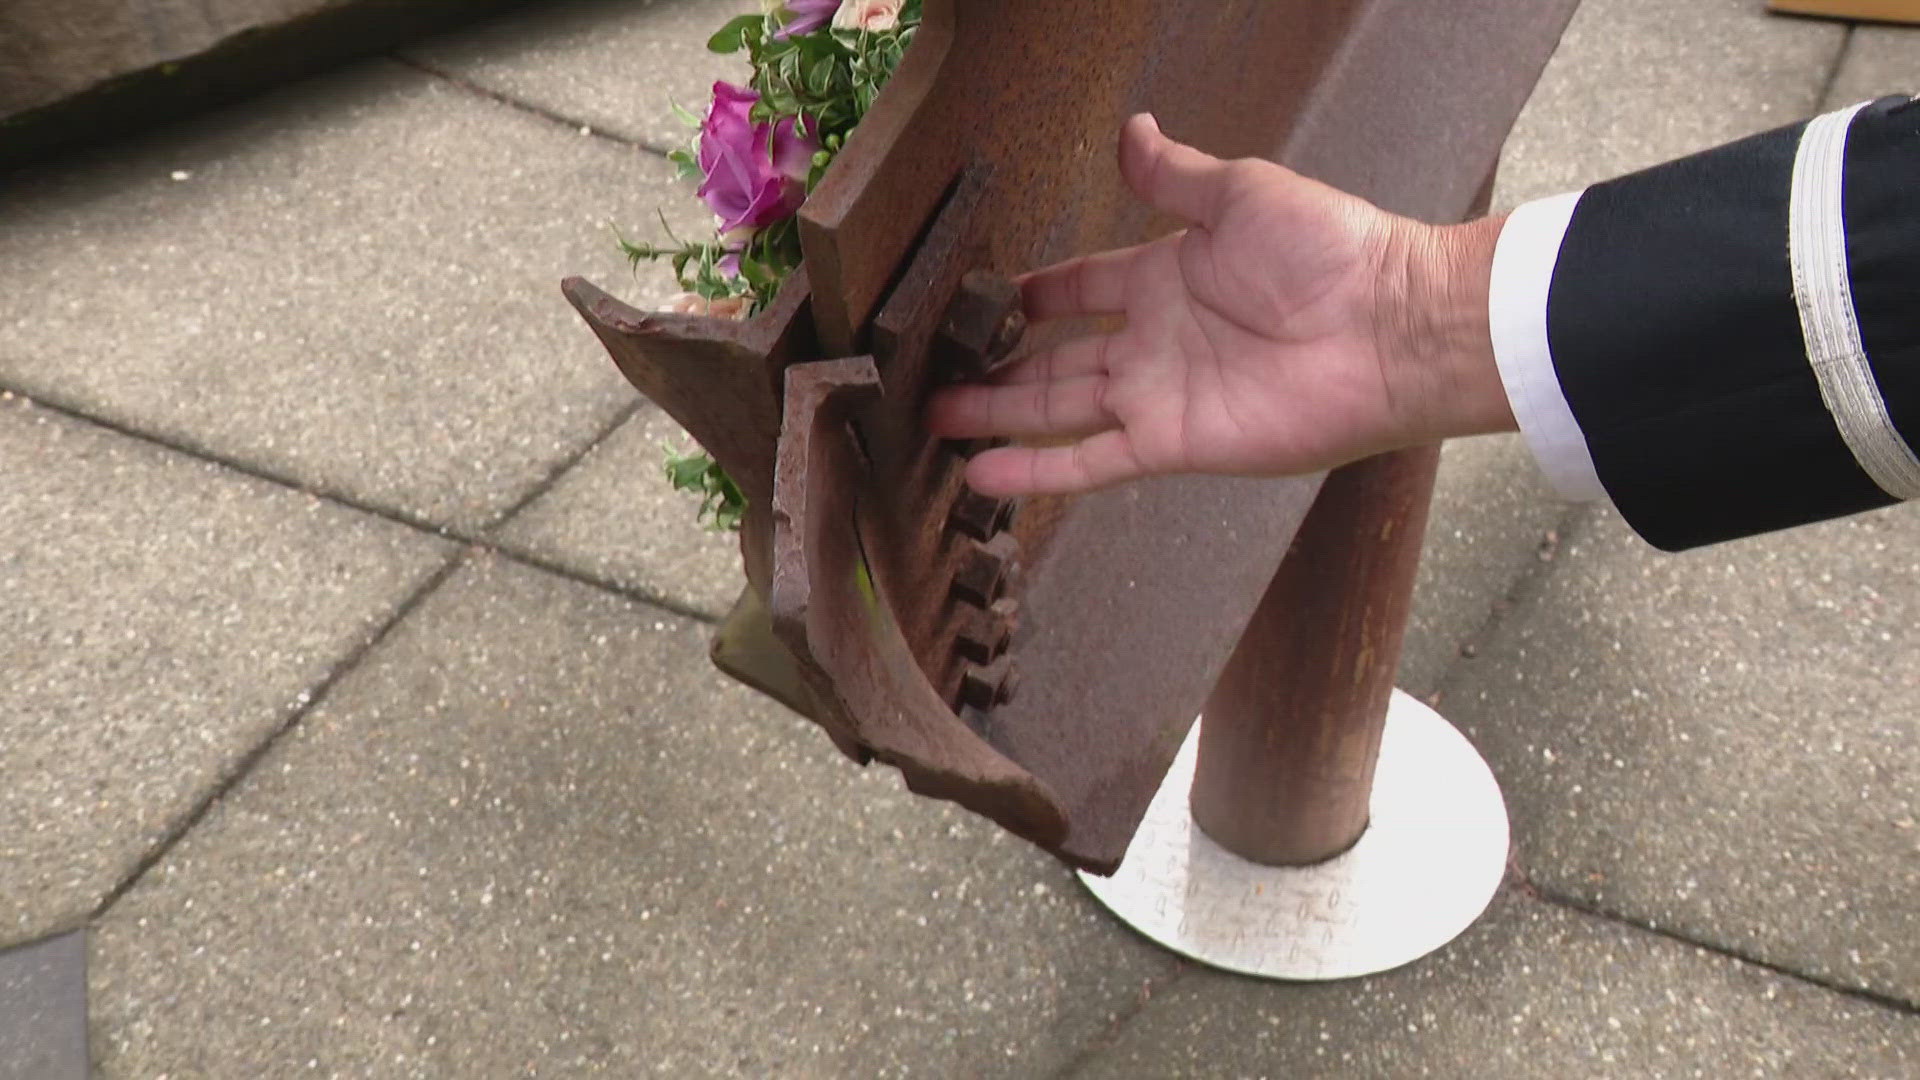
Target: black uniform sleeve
(1737, 334)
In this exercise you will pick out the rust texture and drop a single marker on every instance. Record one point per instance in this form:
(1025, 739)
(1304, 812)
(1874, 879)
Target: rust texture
(1292, 729)
(830, 609)
(907, 612)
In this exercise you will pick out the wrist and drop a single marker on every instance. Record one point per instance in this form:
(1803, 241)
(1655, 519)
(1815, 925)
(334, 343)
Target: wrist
(1434, 336)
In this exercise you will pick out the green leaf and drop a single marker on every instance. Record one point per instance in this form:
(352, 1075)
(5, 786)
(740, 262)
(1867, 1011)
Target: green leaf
(681, 113)
(734, 36)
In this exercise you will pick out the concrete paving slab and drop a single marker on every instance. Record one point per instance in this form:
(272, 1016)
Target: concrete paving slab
(1493, 516)
(618, 67)
(1722, 743)
(536, 835)
(1534, 990)
(1638, 82)
(43, 1010)
(614, 517)
(163, 616)
(1880, 60)
(353, 283)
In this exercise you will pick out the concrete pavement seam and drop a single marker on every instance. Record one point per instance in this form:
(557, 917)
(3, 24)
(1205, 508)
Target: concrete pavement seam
(1521, 588)
(592, 581)
(1832, 79)
(573, 123)
(310, 700)
(1099, 1043)
(563, 467)
(1524, 587)
(1858, 993)
(422, 525)
(256, 472)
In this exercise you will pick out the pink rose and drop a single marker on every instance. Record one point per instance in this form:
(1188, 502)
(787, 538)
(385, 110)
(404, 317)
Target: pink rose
(870, 15)
(756, 174)
(806, 16)
(792, 152)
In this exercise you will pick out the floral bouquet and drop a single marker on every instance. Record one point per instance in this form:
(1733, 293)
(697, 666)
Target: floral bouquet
(816, 68)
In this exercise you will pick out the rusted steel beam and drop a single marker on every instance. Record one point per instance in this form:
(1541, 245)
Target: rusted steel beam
(991, 153)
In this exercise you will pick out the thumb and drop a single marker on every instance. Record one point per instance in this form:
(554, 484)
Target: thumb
(1172, 177)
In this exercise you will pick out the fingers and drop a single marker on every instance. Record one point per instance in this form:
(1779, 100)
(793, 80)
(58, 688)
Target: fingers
(1173, 177)
(1057, 408)
(1087, 286)
(1010, 472)
(1081, 356)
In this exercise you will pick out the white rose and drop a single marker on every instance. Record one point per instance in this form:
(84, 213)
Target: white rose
(871, 15)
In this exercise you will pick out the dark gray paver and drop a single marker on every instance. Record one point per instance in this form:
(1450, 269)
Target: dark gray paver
(163, 616)
(1532, 991)
(615, 517)
(1723, 742)
(43, 1010)
(618, 67)
(353, 282)
(1880, 60)
(1638, 82)
(1492, 515)
(535, 835)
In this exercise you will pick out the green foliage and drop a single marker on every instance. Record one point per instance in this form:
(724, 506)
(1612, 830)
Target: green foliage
(722, 506)
(765, 261)
(827, 79)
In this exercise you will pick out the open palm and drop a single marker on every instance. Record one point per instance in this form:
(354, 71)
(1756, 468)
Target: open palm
(1255, 342)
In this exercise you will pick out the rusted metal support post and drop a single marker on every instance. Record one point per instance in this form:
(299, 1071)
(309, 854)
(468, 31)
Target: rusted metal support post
(1292, 730)
(1319, 824)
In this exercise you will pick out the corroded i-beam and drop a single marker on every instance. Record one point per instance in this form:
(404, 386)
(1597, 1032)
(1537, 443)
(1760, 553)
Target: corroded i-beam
(1042, 664)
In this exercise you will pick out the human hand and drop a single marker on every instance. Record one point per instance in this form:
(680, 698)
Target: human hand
(1290, 328)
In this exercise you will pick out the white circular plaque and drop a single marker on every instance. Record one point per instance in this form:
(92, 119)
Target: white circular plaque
(1434, 854)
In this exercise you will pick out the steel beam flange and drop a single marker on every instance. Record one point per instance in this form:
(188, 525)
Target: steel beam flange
(1432, 858)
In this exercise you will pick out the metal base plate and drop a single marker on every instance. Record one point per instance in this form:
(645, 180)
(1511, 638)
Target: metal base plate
(1431, 860)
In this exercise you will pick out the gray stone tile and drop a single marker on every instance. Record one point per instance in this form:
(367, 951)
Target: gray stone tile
(1532, 991)
(162, 618)
(1638, 82)
(355, 283)
(536, 835)
(1723, 742)
(1492, 515)
(615, 518)
(43, 1010)
(1880, 60)
(618, 67)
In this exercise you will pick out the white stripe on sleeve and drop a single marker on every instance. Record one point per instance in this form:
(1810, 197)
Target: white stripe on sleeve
(1823, 289)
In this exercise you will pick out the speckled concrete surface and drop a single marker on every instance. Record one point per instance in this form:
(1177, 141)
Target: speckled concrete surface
(1533, 990)
(1880, 60)
(353, 283)
(615, 518)
(531, 833)
(1494, 521)
(162, 616)
(1637, 82)
(617, 67)
(536, 834)
(1723, 742)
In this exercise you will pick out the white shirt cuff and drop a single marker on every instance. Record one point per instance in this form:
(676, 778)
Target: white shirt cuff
(1523, 265)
